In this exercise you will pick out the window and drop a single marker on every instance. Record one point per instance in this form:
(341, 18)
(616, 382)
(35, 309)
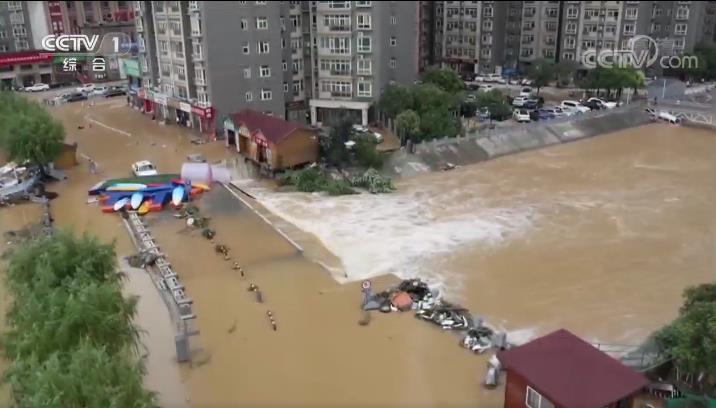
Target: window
(393, 20)
(364, 44)
(613, 14)
(551, 12)
(260, 3)
(180, 73)
(19, 31)
(337, 88)
(3, 48)
(244, 24)
(610, 29)
(365, 88)
(261, 23)
(335, 45)
(175, 27)
(336, 67)
(285, 86)
(393, 41)
(297, 65)
(655, 27)
(487, 12)
(656, 11)
(262, 47)
(363, 3)
(569, 56)
(534, 400)
(682, 13)
(339, 4)
(162, 27)
(264, 71)
(297, 87)
(3, 34)
(337, 22)
(527, 52)
(551, 25)
(570, 42)
(247, 72)
(588, 44)
(548, 53)
(200, 76)
(487, 25)
(363, 21)
(571, 28)
(631, 13)
(266, 94)
(572, 12)
(164, 47)
(364, 66)
(680, 29)
(198, 50)
(295, 45)
(245, 48)
(284, 65)
(21, 44)
(392, 63)
(249, 96)
(591, 13)
(283, 43)
(629, 28)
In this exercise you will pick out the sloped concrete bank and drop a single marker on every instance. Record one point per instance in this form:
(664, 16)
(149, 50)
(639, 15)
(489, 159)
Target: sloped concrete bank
(431, 156)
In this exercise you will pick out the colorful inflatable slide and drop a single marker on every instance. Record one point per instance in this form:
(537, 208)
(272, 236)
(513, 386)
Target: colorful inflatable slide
(145, 194)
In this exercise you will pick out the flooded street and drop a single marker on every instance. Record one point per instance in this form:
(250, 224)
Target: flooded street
(599, 237)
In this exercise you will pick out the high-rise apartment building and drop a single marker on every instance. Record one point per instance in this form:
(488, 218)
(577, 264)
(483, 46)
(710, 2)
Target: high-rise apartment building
(358, 48)
(202, 61)
(591, 25)
(540, 30)
(22, 27)
(677, 25)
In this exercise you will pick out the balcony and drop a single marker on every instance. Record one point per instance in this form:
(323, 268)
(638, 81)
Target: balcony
(17, 18)
(200, 81)
(335, 94)
(14, 5)
(682, 16)
(339, 72)
(197, 57)
(333, 5)
(193, 6)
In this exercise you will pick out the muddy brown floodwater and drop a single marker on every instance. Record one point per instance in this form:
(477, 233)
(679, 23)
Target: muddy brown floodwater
(599, 236)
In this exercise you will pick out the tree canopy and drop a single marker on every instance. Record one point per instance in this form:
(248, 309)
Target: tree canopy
(408, 123)
(541, 72)
(27, 131)
(446, 79)
(689, 340)
(494, 102)
(435, 107)
(71, 338)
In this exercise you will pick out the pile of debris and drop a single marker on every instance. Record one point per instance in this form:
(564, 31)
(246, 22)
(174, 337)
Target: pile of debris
(416, 295)
(195, 220)
(142, 259)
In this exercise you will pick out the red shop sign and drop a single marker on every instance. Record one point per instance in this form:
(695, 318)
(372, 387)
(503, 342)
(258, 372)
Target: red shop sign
(203, 112)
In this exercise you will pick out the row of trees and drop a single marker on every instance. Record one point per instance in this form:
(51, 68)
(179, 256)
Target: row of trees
(690, 340)
(543, 72)
(71, 340)
(427, 110)
(27, 131)
(704, 66)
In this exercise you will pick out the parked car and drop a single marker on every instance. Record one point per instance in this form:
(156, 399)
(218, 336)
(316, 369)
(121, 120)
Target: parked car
(560, 113)
(542, 114)
(605, 104)
(38, 87)
(526, 82)
(99, 90)
(86, 88)
(570, 111)
(486, 88)
(479, 78)
(514, 81)
(533, 103)
(526, 92)
(144, 168)
(575, 106)
(593, 105)
(115, 91)
(521, 116)
(470, 98)
(76, 96)
(496, 78)
(472, 86)
(519, 101)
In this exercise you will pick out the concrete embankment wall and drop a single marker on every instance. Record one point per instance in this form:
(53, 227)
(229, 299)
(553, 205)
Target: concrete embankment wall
(500, 142)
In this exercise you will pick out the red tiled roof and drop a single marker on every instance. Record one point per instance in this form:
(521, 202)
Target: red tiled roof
(571, 372)
(273, 128)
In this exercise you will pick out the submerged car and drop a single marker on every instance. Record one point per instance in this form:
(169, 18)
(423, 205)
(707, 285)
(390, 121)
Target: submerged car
(144, 168)
(603, 103)
(574, 105)
(542, 114)
(76, 96)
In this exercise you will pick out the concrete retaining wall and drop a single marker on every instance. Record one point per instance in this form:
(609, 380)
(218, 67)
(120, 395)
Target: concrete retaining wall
(500, 142)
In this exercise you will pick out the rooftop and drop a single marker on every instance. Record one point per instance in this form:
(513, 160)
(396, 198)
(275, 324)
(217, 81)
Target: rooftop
(571, 372)
(273, 128)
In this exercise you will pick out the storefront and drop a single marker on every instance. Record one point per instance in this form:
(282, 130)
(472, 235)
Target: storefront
(129, 67)
(168, 110)
(20, 69)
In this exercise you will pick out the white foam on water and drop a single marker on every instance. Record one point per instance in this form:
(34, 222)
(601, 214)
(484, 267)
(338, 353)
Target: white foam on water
(396, 233)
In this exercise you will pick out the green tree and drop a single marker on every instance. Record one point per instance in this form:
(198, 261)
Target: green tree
(408, 124)
(445, 78)
(367, 154)
(438, 123)
(395, 99)
(87, 376)
(333, 145)
(689, 340)
(31, 134)
(541, 72)
(564, 71)
(495, 102)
